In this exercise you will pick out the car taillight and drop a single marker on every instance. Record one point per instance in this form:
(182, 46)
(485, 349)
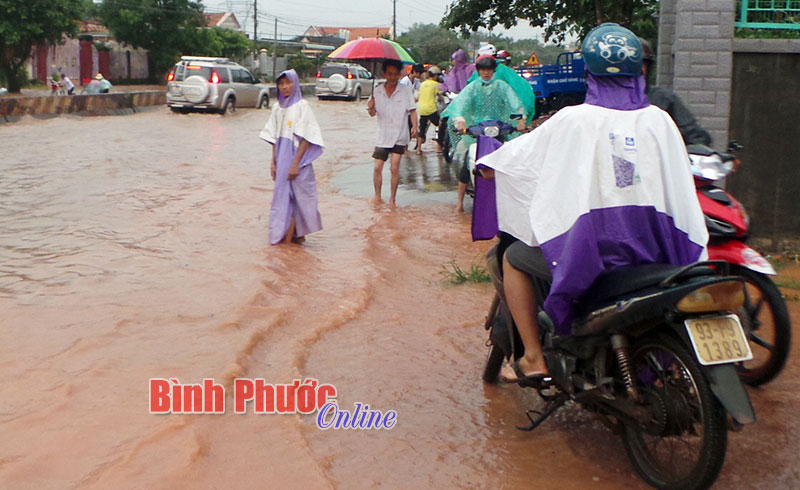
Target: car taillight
(349, 75)
(214, 77)
(171, 76)
(319, 75)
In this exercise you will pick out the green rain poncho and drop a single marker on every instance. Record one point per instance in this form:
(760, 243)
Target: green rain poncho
(483, 101)
(521, 87)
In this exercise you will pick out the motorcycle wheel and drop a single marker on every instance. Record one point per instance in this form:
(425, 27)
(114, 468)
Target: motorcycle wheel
(494, 362)
(769, 329)
(447, 148)
(682, 445)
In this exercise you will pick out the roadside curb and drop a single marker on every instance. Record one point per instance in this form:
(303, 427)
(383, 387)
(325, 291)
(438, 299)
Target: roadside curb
(12, 109)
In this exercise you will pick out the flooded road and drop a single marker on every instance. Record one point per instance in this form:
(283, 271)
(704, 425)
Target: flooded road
(136, 247)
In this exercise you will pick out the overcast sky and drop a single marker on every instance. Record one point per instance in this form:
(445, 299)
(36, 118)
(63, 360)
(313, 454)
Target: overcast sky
(295, 16)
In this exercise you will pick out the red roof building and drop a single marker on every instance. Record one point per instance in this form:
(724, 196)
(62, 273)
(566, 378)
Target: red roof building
(348, 33)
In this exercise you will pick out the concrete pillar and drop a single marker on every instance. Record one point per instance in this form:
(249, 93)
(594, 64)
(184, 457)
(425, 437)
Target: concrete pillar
(697, 57)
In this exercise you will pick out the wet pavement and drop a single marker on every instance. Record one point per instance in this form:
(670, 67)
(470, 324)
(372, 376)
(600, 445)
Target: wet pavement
(135, 247)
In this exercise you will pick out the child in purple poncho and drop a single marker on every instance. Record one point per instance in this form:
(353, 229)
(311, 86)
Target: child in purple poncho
(296, 141)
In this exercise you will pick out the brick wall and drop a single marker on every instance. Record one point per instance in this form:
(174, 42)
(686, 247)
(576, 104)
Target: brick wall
(695, 59)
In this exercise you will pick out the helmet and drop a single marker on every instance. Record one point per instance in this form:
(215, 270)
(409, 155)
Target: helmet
(487, 49)
(434, 70)
(486, 62)
(610, 49)
(503, 56)
(647, 51)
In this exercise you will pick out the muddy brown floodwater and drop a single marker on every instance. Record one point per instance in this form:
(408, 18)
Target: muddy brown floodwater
(135, 247)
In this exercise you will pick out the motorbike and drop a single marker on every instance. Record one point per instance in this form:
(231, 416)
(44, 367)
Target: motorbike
(652, 351)
(448, 148)
(764, 315)
(498, 130)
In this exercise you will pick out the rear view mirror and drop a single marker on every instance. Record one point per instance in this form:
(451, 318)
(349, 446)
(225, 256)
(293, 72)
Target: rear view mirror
(516, 116)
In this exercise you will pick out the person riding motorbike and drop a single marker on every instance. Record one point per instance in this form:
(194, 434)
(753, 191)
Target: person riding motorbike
(600, 185)
(521, 86)
(487, 98)
(504, 57)
(667, 100)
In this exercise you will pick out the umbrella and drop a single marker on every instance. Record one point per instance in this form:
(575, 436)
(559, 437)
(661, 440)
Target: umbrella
(375, 49)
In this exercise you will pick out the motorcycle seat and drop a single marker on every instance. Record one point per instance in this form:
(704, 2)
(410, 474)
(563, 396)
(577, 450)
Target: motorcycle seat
(623, 281)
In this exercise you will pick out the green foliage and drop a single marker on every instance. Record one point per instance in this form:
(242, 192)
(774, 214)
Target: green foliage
(558, 18)
(302, 64)
(767, 33)
(26, 23)
(166, 28)
(455, 275)
(217, 41)
(429, 43)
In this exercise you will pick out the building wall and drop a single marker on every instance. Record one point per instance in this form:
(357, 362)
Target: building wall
(742, 89)
(65, 58)
(695, 59)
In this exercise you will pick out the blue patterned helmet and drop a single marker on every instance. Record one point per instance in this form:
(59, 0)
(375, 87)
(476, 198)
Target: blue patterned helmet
(610, 49)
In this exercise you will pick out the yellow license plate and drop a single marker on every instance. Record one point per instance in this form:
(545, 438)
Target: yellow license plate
(718, 340)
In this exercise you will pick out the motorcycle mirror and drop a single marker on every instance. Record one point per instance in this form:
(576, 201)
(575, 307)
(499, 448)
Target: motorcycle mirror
(516, 116)
(734, 145)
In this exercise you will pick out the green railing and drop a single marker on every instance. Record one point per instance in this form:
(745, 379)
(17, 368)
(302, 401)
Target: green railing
(769, 14)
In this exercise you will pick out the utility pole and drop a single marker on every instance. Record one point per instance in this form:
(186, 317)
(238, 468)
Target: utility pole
(394, 20)
(275, 51)
(255, 29)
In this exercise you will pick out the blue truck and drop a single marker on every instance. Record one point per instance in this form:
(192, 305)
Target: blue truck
(558, 85)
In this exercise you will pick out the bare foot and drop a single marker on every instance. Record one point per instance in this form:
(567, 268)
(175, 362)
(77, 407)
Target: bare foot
(419, 151)
(392, 204)
(298, 239)
(459, 209)
(376, 200)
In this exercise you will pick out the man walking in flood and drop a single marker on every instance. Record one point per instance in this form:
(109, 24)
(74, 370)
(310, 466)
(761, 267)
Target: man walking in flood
(393, 104)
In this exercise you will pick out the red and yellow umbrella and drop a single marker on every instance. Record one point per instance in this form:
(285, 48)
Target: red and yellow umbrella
(375, 48)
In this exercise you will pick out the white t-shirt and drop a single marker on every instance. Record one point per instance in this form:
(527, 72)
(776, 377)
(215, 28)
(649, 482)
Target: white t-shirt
(393, 115)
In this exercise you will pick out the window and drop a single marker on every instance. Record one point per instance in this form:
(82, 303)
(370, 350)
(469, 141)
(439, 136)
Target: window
(223, 74)
(327, 71)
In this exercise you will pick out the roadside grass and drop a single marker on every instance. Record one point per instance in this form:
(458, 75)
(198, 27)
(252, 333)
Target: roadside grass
(787, 282)
(454, 274)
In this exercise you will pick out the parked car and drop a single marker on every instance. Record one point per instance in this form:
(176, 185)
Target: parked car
(216, 84)
(343, 80)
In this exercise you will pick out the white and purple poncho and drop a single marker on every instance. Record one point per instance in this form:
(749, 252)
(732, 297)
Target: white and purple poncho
(599, 188)
(290, 122)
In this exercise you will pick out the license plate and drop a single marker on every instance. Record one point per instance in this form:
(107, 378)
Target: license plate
(718, 340)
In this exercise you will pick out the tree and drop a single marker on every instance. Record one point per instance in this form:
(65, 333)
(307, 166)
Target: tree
(27, 23)
(217, 41)
(558, 18)
(165, 28)
(429, 43)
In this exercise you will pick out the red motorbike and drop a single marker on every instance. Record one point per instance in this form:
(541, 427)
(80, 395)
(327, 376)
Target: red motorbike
(764, 315)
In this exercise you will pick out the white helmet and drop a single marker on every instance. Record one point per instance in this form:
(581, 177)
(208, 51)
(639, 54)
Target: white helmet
(487, 49)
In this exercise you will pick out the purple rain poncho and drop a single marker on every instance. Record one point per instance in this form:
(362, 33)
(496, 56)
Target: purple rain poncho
(598, 186)
(291, 122)
(456, 80)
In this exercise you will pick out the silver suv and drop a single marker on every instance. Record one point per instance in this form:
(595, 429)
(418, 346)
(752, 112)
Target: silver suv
(216, 84)
(343, 80)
